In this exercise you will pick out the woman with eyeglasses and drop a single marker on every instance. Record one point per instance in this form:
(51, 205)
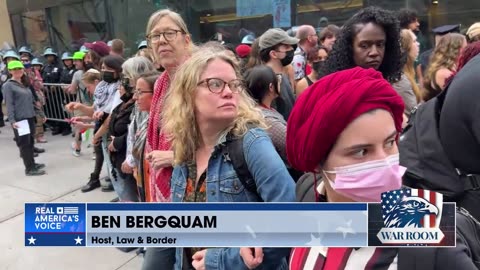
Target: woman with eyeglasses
(133, 69)
(171, 43)
(207, 109)
(138, 130)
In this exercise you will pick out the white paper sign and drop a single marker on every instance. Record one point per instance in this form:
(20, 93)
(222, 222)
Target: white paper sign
(23, 128)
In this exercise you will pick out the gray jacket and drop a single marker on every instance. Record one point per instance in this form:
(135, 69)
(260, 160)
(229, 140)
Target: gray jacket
(19, 100)
(405, 90)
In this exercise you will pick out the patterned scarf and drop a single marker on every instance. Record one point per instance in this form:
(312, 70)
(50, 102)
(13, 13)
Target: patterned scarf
(156, 140)
(104, 93)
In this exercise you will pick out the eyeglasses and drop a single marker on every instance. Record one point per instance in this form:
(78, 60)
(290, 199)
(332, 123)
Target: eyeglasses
(217, 86)
(167, 35)
(140, 92)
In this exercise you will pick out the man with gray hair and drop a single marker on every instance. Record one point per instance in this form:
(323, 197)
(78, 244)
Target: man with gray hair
(308, 39)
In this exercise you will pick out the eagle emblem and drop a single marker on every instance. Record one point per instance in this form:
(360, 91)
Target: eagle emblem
(409, 212)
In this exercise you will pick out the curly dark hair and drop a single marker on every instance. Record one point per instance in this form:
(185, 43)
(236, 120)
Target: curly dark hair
(341, 56)
(406, 17)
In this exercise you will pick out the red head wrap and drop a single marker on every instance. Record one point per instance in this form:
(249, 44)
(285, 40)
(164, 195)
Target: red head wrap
(326, 108)
(243, 50)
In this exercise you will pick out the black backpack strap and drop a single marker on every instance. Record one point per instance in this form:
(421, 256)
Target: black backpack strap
(472, 181)
(234, 147)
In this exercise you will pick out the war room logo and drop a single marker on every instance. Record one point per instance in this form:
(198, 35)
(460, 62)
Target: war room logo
(411, 217)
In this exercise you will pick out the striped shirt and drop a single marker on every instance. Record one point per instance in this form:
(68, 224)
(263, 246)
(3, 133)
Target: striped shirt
(322, 258)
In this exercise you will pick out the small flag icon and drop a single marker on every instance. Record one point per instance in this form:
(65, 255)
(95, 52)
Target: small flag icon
(70, 210)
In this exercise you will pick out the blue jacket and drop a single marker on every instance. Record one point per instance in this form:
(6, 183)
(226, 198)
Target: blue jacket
(274, 184)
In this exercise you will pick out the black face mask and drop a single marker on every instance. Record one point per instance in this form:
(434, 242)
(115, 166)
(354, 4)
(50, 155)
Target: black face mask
(287, 60)
(126, 97)
(88, 66)
(108, 76)
(318, 66)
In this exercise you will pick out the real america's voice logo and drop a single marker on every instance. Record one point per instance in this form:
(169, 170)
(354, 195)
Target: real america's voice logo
(411, 217)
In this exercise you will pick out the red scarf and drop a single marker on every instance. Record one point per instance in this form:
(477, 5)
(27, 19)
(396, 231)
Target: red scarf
(156, 140)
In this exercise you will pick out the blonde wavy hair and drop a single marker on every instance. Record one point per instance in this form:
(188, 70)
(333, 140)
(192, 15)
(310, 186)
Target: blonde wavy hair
(406, 42)
(178, 114)
(445, 55)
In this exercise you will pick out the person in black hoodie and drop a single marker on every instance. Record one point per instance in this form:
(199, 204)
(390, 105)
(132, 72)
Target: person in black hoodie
(123, 183)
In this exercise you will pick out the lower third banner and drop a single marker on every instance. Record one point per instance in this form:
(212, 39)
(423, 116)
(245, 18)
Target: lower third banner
(55, 224)
(227, 225)
(405, 217)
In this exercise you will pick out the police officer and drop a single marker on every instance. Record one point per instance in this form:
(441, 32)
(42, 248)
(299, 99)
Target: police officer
(424, 58)
(69, 68)
(66, 78)
(37, 65)
(84, 49)
(142, 45)
(51, 71)
(24, 51)
(4, 76)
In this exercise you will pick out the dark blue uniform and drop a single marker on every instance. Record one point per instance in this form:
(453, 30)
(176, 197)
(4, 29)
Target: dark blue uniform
(51, 73)
(67, 75)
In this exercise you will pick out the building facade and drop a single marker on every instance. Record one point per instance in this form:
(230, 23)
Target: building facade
(67, 24)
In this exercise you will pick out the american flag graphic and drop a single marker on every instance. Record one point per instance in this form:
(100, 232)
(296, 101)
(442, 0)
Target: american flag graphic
(393, 198)
(70, 210)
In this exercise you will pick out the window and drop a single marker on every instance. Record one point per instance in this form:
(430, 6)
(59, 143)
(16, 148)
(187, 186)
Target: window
(72, 25)
(36, 31)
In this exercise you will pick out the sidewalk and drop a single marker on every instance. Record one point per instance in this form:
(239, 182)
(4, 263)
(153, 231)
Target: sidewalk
(65, 175)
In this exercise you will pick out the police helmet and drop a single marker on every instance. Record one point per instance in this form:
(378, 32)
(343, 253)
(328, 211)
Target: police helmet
(36, 62)
(142, 45)
(84, 49)
(248, 39)
(49, 51)
(24, 49)
(67, 56)
(11, 54)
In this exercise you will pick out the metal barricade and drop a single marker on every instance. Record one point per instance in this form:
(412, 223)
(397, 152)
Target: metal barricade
(56, 97)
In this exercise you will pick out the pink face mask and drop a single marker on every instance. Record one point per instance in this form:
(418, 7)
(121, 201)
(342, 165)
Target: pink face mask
(365, 182)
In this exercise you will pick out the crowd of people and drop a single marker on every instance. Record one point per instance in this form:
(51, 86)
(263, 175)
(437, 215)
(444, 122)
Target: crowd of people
(280, 118)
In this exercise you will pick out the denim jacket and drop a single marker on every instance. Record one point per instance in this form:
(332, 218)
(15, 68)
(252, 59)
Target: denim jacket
(274, 184)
